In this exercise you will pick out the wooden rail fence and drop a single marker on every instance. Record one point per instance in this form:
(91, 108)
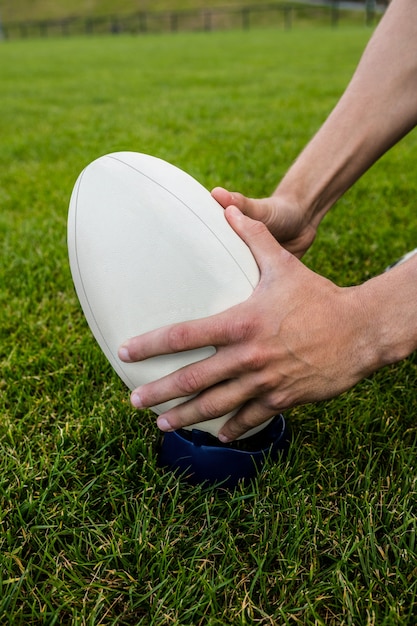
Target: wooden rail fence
(142, 22)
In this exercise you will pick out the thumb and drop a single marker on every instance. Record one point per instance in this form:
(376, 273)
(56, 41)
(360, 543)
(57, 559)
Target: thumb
(257, 237)
(224, 197)
(257, 209)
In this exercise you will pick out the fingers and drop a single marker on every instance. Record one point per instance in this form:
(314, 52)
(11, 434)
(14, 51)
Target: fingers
(190, 335)
(257, 209)
(252, 414)
(212, 403)
(253, 208)
(200, 409)
(217, 385)
(264, 247)
(220, 377)
(226, 198)
(188, 381)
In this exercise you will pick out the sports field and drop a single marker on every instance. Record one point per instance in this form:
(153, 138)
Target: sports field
(92, 531)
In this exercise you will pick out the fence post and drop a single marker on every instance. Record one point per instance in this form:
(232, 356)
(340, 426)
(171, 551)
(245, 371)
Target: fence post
(207, 20)
(335, 13)
(370, 11)
(245, 18)
(143, 23)
(174, 22)
(287, 17)
(115, 26)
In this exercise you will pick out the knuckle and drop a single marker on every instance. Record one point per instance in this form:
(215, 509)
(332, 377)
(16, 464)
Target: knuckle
(275, 401)
(242, 329)
(257, 228)
(246, 422)
(253, 360)
(208, 408)
(190, 381)
(241, 424)
(233, 429)
(267, 384)
(177, 337)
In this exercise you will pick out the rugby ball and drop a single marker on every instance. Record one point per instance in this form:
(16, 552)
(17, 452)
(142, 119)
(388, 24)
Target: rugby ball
(149, 246)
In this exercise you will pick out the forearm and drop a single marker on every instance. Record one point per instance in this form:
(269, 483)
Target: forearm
(377, 109)
(389, 303)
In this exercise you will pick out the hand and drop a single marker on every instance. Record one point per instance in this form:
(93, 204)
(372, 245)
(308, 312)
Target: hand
(299, 338)
(289, 224)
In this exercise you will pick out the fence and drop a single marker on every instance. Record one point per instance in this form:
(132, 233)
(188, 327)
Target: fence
(245, 17)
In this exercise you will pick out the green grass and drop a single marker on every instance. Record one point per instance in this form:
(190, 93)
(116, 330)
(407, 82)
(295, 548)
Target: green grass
(92, 531)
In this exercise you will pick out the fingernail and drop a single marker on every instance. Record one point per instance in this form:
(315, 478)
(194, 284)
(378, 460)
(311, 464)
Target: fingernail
(136, 400)
(124, 354)
(223, 438)
(164, 425)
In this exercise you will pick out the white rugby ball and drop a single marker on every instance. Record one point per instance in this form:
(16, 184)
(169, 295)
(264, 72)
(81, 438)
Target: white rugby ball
(149, 246)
